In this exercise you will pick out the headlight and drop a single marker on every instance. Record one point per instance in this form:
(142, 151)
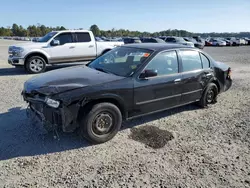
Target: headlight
(16, 51)
(52, 103)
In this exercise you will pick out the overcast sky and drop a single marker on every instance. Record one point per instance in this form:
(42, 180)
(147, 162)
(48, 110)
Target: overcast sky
(142, 15)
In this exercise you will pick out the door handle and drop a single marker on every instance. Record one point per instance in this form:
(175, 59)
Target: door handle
(177, 80)
(91, 46)
(71, 47)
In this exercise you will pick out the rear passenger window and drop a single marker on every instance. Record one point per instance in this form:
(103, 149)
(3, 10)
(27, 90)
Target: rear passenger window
(83, 37)
(190, 60)
(205, 61)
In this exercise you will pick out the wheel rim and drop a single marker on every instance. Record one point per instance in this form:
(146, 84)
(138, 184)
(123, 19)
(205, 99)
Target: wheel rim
(36, 65)
(102, 123)
(210, 95)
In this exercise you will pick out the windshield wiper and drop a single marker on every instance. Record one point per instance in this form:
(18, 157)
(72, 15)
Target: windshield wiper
(102, 70)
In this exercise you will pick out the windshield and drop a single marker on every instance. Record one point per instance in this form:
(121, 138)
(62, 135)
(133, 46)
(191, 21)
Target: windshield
(47, 37)
(121, 61)
(170, 39)
(179, 39)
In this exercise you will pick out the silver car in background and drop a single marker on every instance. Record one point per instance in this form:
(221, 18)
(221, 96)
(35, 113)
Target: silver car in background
(178, 40)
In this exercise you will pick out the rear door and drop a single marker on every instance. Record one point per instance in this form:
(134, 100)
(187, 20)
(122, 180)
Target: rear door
(85, 47)
(160, 92)
(194, 77)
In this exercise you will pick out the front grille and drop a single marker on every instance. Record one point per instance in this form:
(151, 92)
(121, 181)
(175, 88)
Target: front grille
(38, 106)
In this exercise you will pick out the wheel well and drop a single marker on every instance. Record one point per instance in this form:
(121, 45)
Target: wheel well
(36, 54)
(105, 51)
(89, 105)
(217, 84)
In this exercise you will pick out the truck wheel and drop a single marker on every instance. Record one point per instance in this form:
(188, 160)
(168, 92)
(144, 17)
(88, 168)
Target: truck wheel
(101, 123)
(209, 95)
(35, 65)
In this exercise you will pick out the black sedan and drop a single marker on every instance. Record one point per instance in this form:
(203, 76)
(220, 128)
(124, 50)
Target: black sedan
(126, 82)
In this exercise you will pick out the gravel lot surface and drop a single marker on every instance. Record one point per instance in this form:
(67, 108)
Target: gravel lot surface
(186, 147)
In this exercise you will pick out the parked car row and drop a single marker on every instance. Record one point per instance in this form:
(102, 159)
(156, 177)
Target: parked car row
(187, 41)
(229, 41)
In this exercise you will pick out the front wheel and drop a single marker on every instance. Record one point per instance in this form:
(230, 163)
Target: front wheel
(35, 65)
(209, 95)
(101, 123)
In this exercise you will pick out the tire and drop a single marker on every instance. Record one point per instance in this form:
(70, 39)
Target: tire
(35, 65)
(209, 96)
(92, 125)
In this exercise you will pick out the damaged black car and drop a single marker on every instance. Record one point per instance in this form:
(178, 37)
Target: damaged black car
(126, 82)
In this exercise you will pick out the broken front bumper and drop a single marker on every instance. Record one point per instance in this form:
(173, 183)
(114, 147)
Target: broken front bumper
(52, 118)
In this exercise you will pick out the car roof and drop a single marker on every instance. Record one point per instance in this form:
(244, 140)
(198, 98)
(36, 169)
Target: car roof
(156, 46)
(79, 30)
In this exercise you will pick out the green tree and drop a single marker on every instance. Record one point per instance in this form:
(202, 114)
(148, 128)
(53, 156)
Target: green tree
(15, 29)
(95, 29)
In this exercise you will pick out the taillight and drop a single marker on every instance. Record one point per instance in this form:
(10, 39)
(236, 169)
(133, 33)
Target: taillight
(229, 73)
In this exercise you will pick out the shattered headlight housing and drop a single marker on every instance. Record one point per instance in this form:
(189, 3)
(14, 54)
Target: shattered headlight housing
(52, 103)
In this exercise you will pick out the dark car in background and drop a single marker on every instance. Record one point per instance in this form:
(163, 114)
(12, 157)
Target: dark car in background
(247, 40)
(127, 82)
(152, 40)
(131, 40)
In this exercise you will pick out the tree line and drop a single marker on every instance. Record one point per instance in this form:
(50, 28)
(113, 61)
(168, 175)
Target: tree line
(40, 30)
(31, 31)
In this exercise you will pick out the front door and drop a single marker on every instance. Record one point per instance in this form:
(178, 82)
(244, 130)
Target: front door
(162, 91)
(65, 51)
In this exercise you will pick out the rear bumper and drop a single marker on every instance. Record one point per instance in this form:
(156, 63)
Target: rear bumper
(228, 84)
(15, 61)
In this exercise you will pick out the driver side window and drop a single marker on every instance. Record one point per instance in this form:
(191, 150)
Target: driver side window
(64, 38)
(165, 63)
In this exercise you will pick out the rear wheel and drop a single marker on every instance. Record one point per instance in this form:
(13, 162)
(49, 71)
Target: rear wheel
(209, 95)
(101, 123)
(35, 65)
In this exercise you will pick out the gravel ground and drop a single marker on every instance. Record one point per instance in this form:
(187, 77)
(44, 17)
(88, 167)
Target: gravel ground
(184, 147)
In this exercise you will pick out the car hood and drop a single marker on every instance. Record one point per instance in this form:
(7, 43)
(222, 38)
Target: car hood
(31, 44)
(62, 80)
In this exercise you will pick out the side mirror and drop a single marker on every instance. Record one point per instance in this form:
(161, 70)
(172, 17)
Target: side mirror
(148, 73)
(55, 43)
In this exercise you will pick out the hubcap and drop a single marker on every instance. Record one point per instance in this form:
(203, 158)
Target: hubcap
(36, 65)
(210, 96)
(102, 123)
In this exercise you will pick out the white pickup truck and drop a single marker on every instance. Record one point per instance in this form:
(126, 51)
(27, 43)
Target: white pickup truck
(58, 47)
